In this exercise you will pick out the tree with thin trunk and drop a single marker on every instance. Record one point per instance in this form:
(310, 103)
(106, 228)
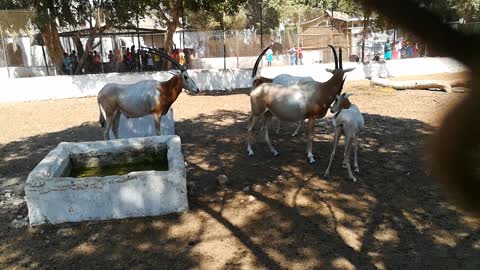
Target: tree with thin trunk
(170, 12)
(90, 18)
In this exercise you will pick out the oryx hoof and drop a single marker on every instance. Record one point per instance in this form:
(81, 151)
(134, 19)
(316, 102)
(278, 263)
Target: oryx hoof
(311, 160)
(326, 175)
(250, 153)
(354, 179)
(275, 154)
(357, 170)
(294, 134)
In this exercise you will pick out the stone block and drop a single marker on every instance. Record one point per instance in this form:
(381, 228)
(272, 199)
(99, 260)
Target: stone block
(53, 196)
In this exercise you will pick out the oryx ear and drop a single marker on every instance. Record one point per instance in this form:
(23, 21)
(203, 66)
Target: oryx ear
(348, 70)
(329, 70)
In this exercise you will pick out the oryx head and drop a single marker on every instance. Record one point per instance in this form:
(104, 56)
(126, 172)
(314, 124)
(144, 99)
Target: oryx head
(187, 81)
(341, 102)
(338, 63)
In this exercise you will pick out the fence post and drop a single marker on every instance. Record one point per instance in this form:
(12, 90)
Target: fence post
(4, 51)
(238, 60)
(140, 60)
(45, 59)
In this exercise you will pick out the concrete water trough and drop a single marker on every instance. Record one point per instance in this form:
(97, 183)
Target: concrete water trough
(104, 180)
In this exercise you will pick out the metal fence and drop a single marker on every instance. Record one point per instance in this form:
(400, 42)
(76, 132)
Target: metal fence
(471, 28)
(23, 55)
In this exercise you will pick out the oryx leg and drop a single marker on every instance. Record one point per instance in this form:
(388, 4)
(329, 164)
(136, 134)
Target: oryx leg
(299, 125)
(108, 125)
(278, 125)
(157, 118)
(311, 126)
(116, 123)
(251, 127)
(338, 133)
(267, 120)
(355, 148)
(348, 151)
(345, 154)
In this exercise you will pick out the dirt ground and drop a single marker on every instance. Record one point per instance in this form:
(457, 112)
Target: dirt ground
(276, 213)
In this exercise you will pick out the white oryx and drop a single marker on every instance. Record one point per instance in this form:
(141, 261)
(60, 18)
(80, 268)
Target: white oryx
(348, 120)
(281, 79)
(308, 100)
(142, 98)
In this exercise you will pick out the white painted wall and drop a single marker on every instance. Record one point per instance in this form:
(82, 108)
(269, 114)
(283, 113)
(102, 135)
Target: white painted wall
(57, 87)
(309, 57)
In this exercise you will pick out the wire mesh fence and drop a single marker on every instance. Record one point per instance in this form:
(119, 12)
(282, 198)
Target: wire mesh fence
(26, 56)
(23, 52)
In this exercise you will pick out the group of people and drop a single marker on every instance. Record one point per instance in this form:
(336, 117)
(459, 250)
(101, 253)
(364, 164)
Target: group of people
(70, 63)
(401, 49)
(129, 61)
(295, 56)
(150, 61)
(92, 64)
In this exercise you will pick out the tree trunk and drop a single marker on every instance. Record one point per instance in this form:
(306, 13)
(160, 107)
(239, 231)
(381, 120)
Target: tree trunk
(168, 45)
(171, 27)
(437, 84)
(52, 42)
(78, 45)
(88, 48)
(366, 21)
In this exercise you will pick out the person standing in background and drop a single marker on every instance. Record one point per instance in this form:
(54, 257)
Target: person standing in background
(74, 61)
(269, 57)
(300, 56)
(396, 50)
(181, 57)
(388, 50)
(67, 64)
(293, 55)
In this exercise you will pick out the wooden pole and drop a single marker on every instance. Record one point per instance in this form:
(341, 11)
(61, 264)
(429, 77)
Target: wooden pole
(139, 46)
(224, 42)
(5, 52)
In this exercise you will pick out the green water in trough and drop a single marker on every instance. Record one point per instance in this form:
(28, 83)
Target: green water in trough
(146, 161)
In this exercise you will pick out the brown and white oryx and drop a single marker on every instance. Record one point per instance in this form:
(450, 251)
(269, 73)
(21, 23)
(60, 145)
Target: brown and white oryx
(142, 98)
(307, 100)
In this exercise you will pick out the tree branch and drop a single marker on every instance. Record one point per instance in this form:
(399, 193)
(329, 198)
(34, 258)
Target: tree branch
(164, 16)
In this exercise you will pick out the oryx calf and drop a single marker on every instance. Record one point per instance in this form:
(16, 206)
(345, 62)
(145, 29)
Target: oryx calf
(348, 120)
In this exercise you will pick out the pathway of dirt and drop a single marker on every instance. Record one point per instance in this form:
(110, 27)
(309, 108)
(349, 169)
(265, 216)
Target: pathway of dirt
(275, 212)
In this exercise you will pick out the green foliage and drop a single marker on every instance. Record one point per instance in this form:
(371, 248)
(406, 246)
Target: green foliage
(449, 10)
(467, 9)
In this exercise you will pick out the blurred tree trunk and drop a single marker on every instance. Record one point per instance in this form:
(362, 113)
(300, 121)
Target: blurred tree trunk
(366, 22)
(78, 45)
(52, 42)
(171, 24)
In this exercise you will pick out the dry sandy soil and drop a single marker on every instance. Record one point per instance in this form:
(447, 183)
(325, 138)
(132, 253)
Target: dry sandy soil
(276, 213)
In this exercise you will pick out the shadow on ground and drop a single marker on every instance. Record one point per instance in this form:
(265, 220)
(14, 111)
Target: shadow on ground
(275, 212)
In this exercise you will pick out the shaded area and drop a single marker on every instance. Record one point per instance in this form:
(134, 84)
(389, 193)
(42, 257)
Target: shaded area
(274, 213)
